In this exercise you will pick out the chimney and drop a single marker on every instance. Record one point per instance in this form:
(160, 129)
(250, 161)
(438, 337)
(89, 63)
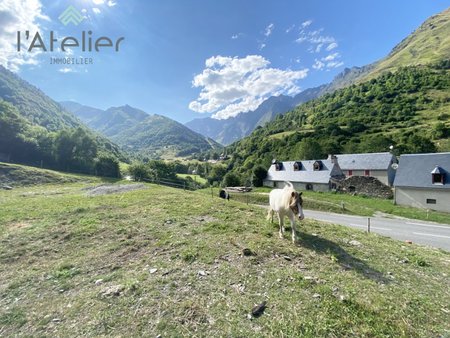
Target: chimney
(333, 158)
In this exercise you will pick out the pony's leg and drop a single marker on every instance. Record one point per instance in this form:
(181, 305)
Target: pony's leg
(293, 228)
(270, 215)
(280, 220)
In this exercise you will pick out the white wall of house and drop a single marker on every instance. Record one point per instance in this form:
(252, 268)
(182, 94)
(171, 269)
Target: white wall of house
(381, 175)
(416, 197)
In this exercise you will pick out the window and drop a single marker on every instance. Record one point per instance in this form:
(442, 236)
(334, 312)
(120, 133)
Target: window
(350, 173)
(438, 176)
(366, 172)
(297, 166)
(317, 165)
(431, 201)
(278, 166)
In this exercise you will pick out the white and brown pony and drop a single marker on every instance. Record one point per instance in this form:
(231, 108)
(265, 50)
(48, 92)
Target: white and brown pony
(286, 202)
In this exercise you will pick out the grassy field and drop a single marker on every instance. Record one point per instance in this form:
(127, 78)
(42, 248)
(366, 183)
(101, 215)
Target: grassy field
(17, 175)
(161, 261)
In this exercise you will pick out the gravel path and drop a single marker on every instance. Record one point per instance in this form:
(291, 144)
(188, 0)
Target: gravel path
(113, 189)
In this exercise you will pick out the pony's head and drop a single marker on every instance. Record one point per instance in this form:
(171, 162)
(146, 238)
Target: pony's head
(296, 204)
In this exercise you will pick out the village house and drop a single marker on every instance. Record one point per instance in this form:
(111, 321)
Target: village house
(379, 165)
(423, 181)
(317, 175)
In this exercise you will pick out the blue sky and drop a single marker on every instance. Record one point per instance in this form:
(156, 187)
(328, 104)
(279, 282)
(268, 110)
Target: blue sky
(187, 59)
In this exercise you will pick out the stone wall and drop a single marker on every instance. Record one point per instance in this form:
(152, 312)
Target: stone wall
(365, 185)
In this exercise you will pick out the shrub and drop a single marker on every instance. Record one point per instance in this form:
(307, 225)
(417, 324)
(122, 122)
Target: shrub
(107, 165)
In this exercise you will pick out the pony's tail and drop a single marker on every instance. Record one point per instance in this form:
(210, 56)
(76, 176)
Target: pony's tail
(288, 184)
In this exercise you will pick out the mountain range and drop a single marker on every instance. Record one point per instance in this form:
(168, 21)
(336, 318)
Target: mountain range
(153, 136)
(429, 43)
(402, 100)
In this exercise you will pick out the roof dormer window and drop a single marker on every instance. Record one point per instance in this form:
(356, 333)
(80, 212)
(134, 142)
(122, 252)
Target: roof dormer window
(297, 166)
(317, 166)
(278, 165)
(438, 176)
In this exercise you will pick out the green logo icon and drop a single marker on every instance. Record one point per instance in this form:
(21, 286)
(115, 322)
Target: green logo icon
(71, 14)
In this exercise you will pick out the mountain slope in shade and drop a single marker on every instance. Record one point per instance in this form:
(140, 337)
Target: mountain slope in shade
(38, 117)
(233, 129)
(136, 131)
(33, 104)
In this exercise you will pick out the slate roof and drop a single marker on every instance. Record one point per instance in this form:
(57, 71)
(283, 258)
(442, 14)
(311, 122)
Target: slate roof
(367, 161)
(415, 170)
(306, 174)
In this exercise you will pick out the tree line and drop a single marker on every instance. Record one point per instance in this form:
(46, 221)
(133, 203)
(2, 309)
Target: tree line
(72, 150)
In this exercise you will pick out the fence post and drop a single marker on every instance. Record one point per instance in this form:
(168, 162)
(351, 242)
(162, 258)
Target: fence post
(368, 225)
(212, 194)
(343, 206)
(184, 185)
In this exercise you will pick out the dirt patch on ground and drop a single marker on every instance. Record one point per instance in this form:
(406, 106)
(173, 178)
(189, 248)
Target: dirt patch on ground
(19, 225)
(105, 189)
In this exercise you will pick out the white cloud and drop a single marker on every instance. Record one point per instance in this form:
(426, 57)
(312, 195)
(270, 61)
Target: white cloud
(335, 64)
(111, 3)
(269, 29)
(231, 85)
(332, 46)
(328, 62)
(321, 39)
(315, 38)
(18, 16)
(290, 28)
(306, 23)
(66, 70)
(262, 46)
(318, 65)
(331, 57)
(96, 10)
(98, 2)
(236, 36)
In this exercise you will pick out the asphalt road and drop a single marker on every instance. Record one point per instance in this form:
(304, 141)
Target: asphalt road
(420, 232)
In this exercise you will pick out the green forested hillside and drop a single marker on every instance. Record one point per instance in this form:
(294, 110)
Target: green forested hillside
(33, 104)
(160, 137)
(430, 43)
(409, 109)
(36, 130)
(142, 134)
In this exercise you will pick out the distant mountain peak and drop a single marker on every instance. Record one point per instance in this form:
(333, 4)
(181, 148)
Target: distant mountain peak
(150, 135)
